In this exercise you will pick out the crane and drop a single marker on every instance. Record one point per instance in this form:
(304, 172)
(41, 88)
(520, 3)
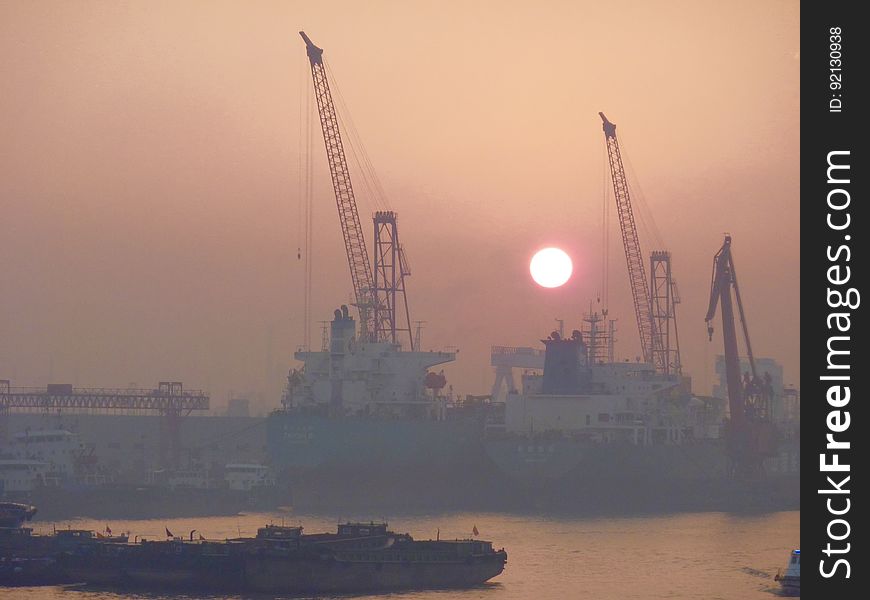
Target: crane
(376, 295)
(750, 435)
(652, 345)
(351, 229)
(169, 399)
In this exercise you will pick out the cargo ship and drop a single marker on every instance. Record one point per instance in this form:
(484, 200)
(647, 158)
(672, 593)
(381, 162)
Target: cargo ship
(620, 436)
(371, 428)
(360, 429)
(359, 557)
(369, 421)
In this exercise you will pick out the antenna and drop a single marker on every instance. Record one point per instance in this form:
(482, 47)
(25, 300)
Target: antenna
(418, 335)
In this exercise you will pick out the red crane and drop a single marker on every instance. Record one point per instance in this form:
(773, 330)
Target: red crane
(351, 229)
(750, 435)
(651, 344)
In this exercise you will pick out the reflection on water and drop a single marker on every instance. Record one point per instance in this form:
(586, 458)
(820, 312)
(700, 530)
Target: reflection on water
(690, 556)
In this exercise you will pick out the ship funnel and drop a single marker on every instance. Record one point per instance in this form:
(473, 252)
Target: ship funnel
(565, 365)
(342, 331)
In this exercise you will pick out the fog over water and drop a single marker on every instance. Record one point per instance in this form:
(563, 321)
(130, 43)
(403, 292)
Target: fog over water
(149, 175)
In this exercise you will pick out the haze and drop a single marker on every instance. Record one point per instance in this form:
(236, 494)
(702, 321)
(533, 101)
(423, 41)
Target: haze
(149, 179)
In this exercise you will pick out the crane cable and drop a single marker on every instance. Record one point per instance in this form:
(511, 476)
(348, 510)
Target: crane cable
(605, 230)
(305, 198)
(370, 180)
(647, 221)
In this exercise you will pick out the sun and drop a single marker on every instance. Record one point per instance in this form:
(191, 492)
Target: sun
(551, 267)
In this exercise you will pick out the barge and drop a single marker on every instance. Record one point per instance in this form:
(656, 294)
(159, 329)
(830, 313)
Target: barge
(358, 557)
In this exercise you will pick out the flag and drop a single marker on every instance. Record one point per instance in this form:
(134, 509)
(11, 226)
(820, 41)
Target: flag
(169, 533)
(475, 531)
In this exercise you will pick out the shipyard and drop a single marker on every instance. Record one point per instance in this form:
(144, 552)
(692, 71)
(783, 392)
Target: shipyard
(339, 299)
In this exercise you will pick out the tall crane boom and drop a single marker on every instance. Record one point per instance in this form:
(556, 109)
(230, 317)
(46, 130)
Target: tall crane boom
(633, 255)
(722, 280)
(750, 436)
(354, 242)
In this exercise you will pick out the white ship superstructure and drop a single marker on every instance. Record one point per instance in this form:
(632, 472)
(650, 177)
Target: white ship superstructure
(58, 448)
(604, 402)
(353, 378)
(248, 476)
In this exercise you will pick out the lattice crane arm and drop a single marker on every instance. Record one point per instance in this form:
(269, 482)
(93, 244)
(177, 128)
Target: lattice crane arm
(631, 242)
(351, 229)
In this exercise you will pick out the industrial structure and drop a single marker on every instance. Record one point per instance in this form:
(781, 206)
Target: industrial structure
(664, 298)
(507, 358)
(375, 295)
(169, 399)
(750, 434)
(391, 268)
(654, 303)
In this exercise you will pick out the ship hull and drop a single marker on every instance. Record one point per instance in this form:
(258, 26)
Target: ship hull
(279, 575)
(597, 478)
(791, 586)
(300, 442)
(371, 465)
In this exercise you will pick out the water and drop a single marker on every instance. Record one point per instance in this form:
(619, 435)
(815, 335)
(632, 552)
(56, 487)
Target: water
(692, 556)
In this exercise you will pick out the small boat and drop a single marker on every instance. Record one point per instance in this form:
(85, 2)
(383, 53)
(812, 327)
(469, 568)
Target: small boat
(15, 514)
(790, 581)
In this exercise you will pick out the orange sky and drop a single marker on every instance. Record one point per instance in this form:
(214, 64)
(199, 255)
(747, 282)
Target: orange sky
(149, 175)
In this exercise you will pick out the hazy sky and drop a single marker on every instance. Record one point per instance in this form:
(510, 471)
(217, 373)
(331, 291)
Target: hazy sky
(149, 179)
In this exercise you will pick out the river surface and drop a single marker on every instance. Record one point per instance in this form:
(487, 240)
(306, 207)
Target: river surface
(693, 556)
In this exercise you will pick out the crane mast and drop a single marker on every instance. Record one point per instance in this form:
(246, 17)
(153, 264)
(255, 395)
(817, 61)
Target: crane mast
(391, 268)
(750, 435)
(649, 342)
(351, 229)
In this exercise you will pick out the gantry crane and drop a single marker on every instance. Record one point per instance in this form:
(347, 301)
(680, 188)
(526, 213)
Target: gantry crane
(375, 296)
(654, 306)
(750, 435)
(169, 399)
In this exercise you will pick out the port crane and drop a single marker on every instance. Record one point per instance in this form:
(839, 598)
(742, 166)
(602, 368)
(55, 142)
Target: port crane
(750, 434)
(169, 400)
(377, 290)
(654, 306)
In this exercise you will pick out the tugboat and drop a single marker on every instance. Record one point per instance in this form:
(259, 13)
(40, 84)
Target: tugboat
(791, 579)
(15, 514)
